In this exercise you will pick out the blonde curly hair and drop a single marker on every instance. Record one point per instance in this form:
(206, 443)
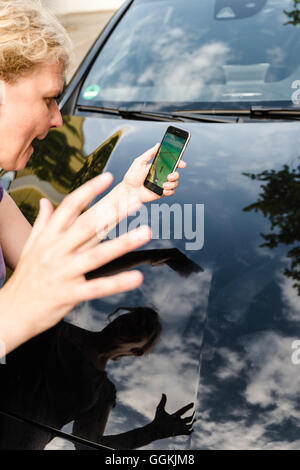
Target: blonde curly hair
(30, 34)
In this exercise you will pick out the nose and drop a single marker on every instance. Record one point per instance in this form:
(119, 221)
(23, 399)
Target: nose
(56, 117)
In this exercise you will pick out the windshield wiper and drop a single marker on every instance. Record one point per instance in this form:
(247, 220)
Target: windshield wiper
(152, 116)
(283, 113)
(253, 111)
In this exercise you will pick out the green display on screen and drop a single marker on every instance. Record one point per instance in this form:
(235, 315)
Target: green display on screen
(166, 159)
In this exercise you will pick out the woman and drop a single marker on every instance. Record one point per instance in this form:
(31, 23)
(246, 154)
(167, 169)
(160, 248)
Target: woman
(50, 259)
(60, 377)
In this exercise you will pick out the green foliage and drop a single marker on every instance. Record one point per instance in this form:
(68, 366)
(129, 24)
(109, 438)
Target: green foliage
(279, 201)
(294, 15)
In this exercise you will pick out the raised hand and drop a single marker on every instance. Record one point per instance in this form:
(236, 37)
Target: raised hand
(166, 425)
(136, 175)
(49, 279)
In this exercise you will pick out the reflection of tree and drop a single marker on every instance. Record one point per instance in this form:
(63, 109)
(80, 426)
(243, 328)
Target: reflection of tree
(51, 160)
(294, 14)
(95, 163)
(280, 203)
(59, 161)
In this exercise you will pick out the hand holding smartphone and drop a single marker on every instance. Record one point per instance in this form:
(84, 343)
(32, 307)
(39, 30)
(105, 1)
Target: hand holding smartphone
(166, 161)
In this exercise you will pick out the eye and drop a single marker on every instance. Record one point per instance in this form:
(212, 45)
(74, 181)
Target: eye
(50, 100)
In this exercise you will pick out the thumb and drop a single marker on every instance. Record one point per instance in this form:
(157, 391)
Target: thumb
(147, 156)
(162, 403)
(44, 215)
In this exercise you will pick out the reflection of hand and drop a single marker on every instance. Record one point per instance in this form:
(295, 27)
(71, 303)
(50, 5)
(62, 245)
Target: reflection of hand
(49, 278)
(136, 175)
(166, 425)
(183, 265)
(177, 261)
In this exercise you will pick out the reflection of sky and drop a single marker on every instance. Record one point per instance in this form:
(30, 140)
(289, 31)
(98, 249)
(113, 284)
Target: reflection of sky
(262, 411)
(168, 53)
(173, 366)
(248, 303)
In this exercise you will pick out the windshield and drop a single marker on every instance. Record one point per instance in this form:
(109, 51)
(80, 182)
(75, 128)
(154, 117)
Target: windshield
(191, 54)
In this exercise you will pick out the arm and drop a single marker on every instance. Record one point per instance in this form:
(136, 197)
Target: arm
(131, 189)
(49, 278)
(172, 257)
(91, 426)
(15, 230)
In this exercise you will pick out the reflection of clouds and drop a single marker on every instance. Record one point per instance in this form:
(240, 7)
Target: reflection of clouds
(194, 69)
(276, 55)
(273, 378)
(144, 380)
(232, 365)
(171, 68)
(257, 147)
(89, 316)
(173, 366)
(232, 434)
(257, 416)
(177, 297)
(141, 382)
(237, 295)
(59, 444)
(291, 300)
(236, 435)
(83, 316)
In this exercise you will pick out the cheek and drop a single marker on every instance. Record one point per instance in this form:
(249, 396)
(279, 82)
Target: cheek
(38, 120)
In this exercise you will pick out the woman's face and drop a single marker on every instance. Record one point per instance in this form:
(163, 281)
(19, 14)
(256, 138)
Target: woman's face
(27, 111)
(129, 349)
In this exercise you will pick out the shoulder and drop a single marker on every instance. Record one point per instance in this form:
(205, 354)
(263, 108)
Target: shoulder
(109, 390)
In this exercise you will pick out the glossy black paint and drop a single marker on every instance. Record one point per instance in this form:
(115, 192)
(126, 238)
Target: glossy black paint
(228, 328)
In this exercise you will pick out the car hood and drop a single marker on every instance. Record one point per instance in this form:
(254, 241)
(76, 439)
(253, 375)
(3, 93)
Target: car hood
(229, 309)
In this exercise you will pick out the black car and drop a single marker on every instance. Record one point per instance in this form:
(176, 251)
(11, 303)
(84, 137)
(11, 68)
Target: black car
(224, 276)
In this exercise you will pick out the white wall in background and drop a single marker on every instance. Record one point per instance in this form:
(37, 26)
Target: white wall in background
(74, 6)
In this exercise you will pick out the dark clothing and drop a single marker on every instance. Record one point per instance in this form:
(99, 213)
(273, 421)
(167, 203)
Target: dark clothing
(50, 381)
(2, 264)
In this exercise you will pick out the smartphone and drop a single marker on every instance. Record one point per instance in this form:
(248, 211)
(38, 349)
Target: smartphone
(167, 158)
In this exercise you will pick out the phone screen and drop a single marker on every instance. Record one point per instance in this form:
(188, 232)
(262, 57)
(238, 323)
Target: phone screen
(166, 159)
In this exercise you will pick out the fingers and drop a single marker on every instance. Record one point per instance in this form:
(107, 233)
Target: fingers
(105, 252)
(167, 192)
(184, 409)
(170, 186)
(97, 222)
(147, 156)
(106, 286)
(172, 183)
(45, 212)
(173, 176)
(189, 419)
(162, 403)
(73, 204)
(181, 164)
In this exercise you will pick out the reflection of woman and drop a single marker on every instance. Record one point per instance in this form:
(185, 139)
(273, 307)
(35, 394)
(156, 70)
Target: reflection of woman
(51, 258)
(60, 377)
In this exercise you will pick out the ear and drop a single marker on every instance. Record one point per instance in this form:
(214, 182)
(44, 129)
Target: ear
(137, 351)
